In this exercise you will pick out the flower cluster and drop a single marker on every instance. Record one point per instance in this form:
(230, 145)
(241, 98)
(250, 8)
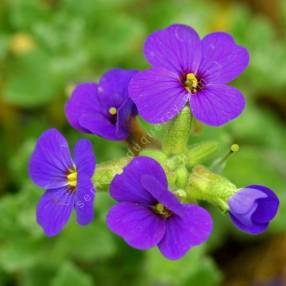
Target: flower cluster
(158, 191)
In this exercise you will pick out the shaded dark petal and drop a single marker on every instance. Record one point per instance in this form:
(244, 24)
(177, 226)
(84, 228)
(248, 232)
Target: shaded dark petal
(83, 101)
(182, 233)
(101, 125)
(162, 194)
(84, 157)
(136, 224)
(158, 94)
(176, 48)
(217, 104)
(50, 160)
(123, 114)
(54, 210)
(84, 199)
(128, 187)
(222, 59)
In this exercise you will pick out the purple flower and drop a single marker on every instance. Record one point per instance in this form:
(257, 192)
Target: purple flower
(187, 69)
(252, 208)
(105, 108)
(148, 214)
(67, 182)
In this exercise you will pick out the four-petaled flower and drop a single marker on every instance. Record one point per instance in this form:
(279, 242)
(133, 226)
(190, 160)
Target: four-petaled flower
(103, 109)
(67, 182)
(187, 69)
(148, 214)
(252, 208)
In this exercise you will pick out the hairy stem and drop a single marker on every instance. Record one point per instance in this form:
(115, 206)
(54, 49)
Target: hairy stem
(106, 171)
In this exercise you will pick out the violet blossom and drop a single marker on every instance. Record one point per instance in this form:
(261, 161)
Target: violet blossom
(105, 108)
(147, 214)
(67, 182)
(188, 70)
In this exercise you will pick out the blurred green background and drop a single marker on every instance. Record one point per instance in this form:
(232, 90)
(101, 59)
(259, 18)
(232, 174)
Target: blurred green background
(47, 46)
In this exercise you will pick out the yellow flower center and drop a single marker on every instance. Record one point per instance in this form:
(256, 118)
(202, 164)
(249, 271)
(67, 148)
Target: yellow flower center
(112, 110)
(72, 178)
(161, 210)
(191, 83)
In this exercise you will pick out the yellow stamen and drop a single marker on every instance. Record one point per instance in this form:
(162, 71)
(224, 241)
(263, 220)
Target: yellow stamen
(72, 178)
(112, 110)
(191, 83)
(162, 210)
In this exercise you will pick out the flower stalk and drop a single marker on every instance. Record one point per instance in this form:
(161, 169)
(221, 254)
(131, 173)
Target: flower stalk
(105, 172)
(198, 153)
(178, 133)
(207, 186)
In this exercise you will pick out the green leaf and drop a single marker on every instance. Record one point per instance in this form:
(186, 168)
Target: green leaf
(207, 274)
(31, 82)
(69, 274)
(86, 243)
(161, 271)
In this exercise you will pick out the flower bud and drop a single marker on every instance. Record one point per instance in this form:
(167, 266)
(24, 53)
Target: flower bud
(252, 208)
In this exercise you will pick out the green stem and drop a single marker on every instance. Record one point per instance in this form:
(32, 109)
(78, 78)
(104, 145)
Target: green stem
(105, 172)
(198, 153)
(178, 133)
(208, 186)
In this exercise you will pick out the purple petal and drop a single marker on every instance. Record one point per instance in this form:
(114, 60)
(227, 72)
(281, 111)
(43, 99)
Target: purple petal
(84, 158)
(113, 87)
(84, 198)
(243, 200)
(50, 160)
(101, 125)
(125, 111)
(217, 104)
(54, 210)
(128, 187)
(158, 94)
(162, 194)
(182, 233)
(267, 207)
(138, 225)
(222, 60)
(83, 101)
(252, 228)
(176, 48)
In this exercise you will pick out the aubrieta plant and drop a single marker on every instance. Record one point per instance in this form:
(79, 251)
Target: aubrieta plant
(157, 191)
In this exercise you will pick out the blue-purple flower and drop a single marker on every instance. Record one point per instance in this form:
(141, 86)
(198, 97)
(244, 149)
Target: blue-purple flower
(185, 70)
(147, 214)
(252, 208)
(67, 182)
(105, 108)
